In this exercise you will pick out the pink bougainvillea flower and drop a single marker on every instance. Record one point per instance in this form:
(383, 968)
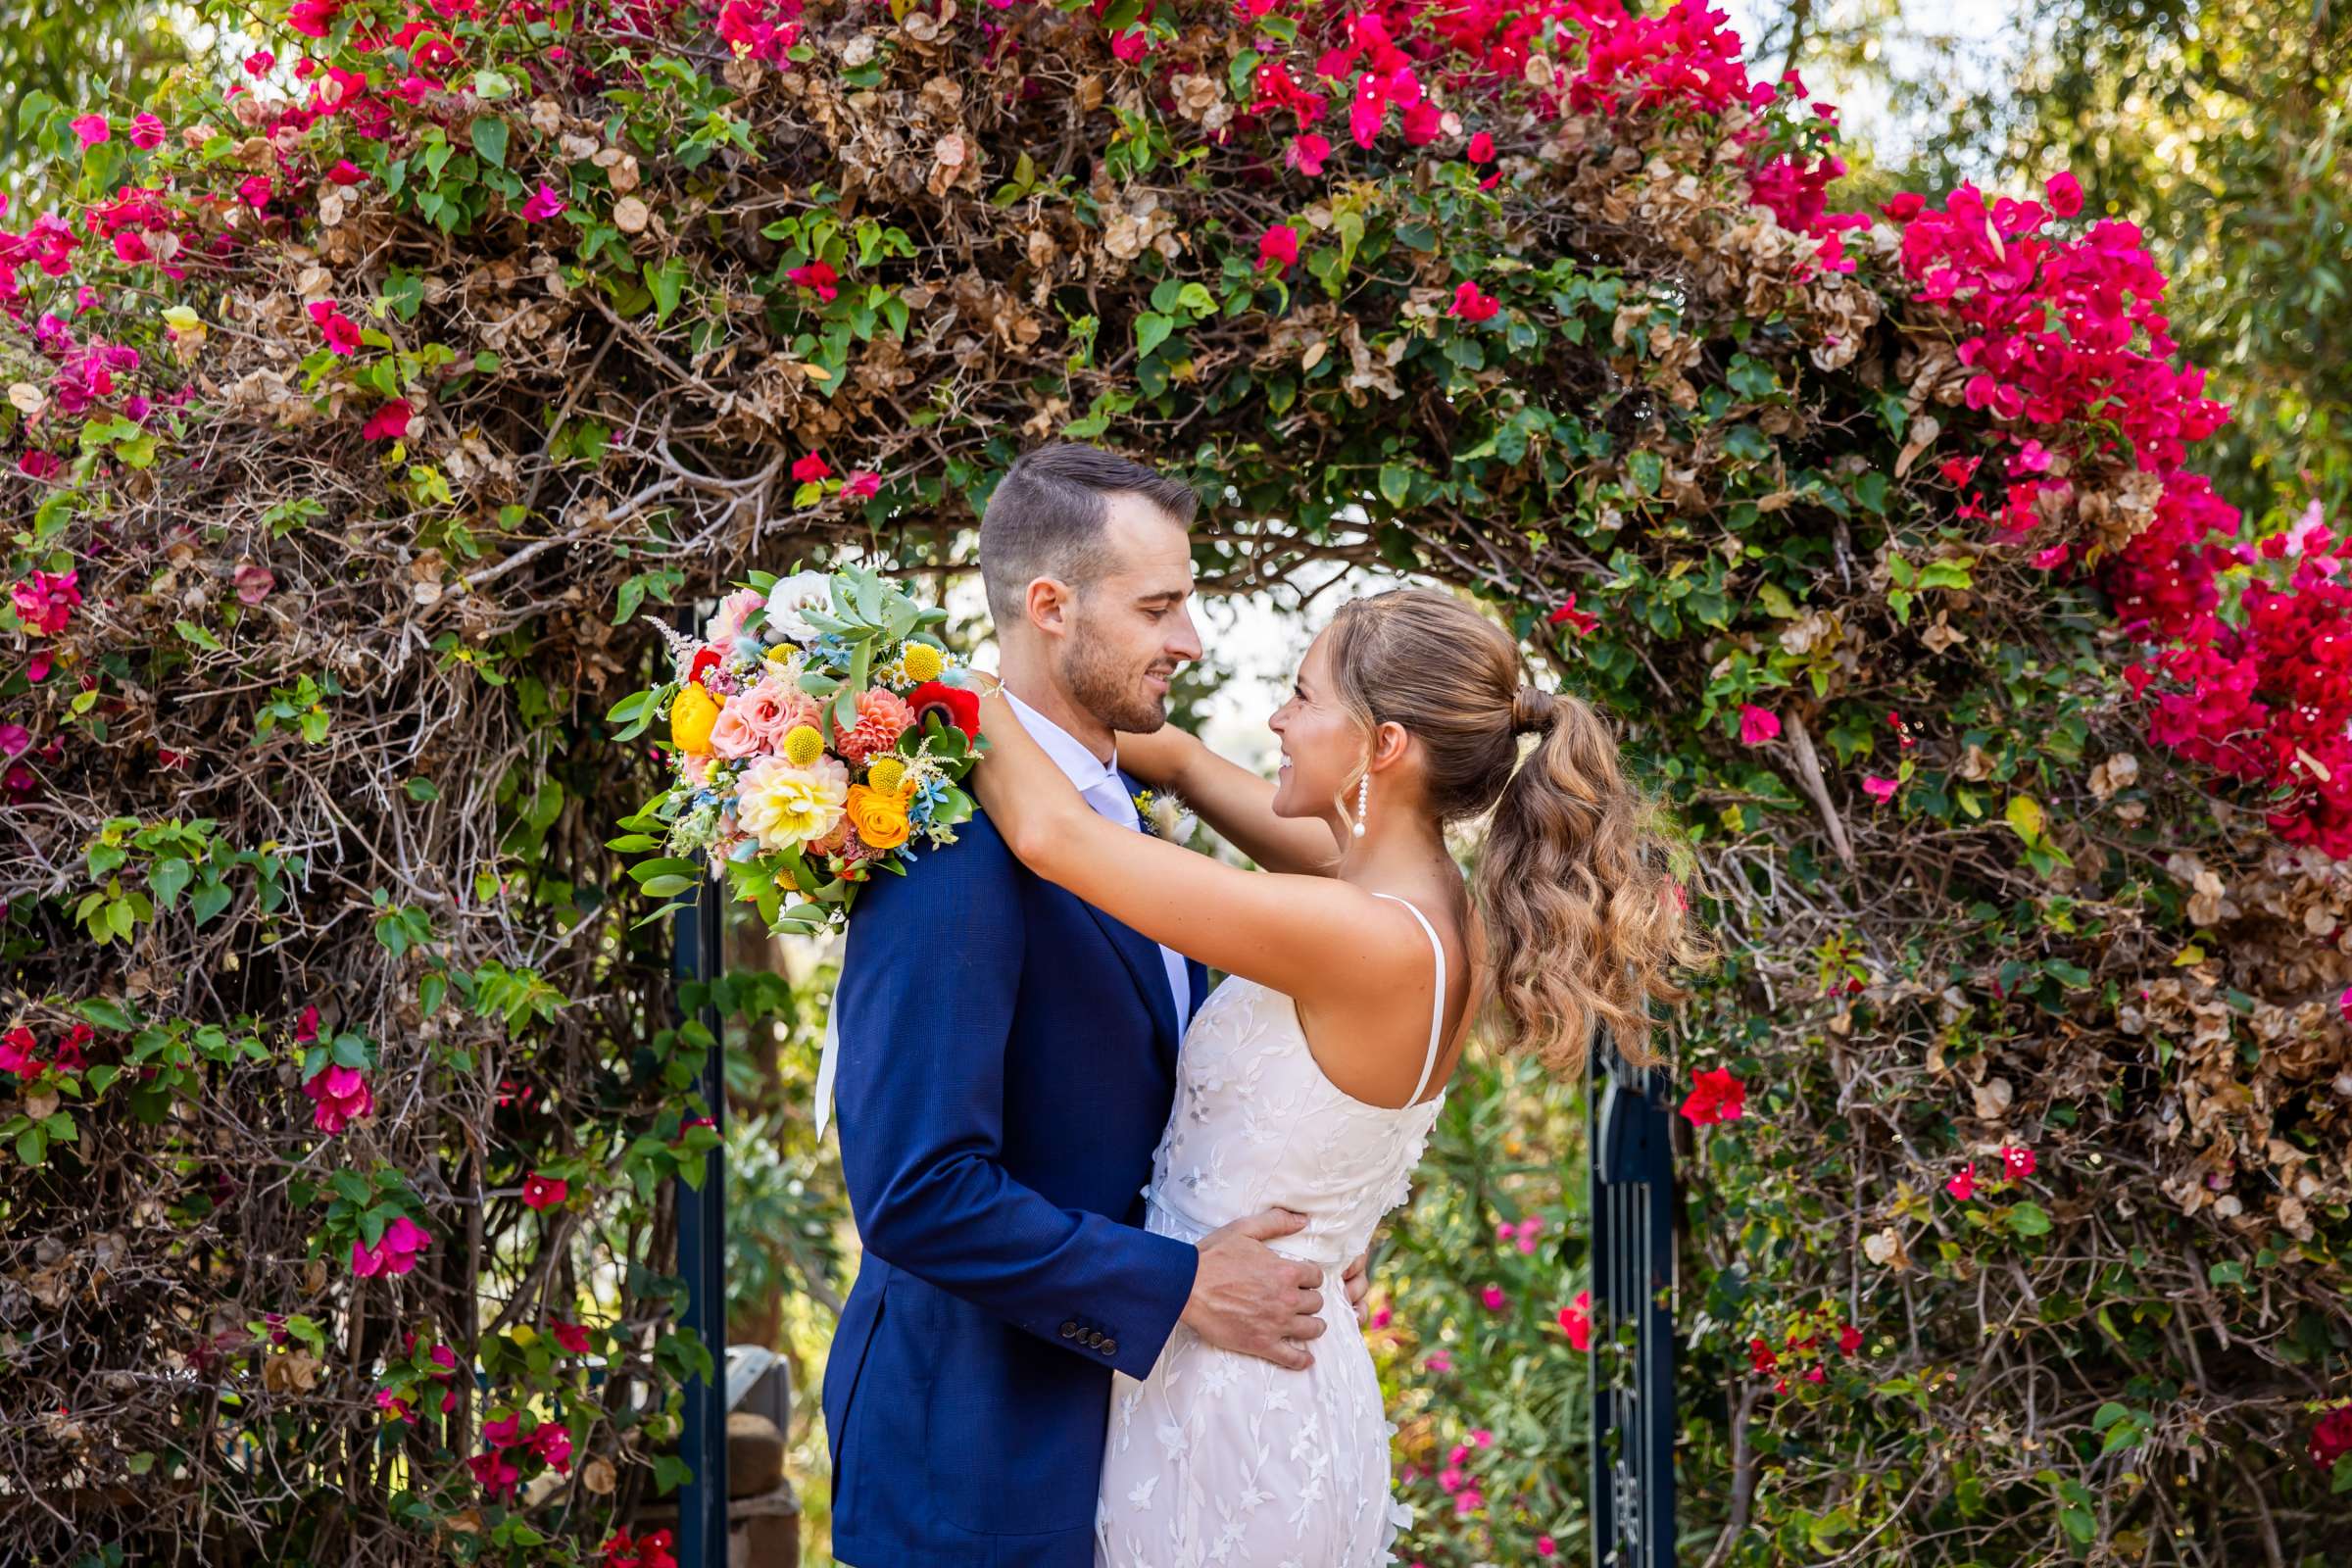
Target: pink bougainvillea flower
(1472, 306)
(339, 1097)
(146, 131)
(1959, 470)
(1879, 789)
(818, 278)
(860, 485)
(256, 191)
(2066, 194)
(2332, 1437)
(552, 1444)
(312, 18)
(1278, 248)
(1440, 1361)
(494, 1473)
(1495, 1297)
(91, 129)
(543, 205)
(306, 1027)
(45, 601)
(1761, 1356)
(1715, 1097)
(395, 1407)
(19, 1052)
(1529, 1229)
(1757, 724)
(14, 739)
(1574, 618)
(810, 469)
(572, 1337)
(389, 422)
(1308, 152)
(255, 582)
(342, 333)
(1849, 1339)
(1576, 1320)
(1904, 206)
(39, 464)
(347, 173)
(1382, 1315)
(2051, 559)
(395, 1253)
(1545, 1546)
(259, 63)
(2017, 1163)
(1962, 1186)
(1482, 148)
(544, 1192)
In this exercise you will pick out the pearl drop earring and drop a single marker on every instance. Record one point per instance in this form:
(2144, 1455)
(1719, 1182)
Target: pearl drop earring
(1364, 802)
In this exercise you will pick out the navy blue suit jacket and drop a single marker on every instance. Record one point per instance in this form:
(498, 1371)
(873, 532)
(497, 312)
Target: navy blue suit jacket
(1007, 1058)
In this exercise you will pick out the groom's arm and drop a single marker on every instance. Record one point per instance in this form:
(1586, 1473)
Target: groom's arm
(925, 1014)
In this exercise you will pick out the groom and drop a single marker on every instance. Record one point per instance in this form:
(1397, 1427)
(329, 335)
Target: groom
(1008, 1059)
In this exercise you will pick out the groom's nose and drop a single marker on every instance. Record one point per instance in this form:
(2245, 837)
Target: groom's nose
(1185, 641)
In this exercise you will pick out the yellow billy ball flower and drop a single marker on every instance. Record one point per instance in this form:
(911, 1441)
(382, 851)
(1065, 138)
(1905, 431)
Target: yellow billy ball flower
(692, 712)
(921, 662)
(887, 775)
(802, 745)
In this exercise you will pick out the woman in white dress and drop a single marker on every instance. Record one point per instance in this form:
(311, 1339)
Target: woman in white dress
(1310, 1080)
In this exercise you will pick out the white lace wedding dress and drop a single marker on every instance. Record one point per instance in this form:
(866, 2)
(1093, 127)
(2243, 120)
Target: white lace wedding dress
(1223, 1459)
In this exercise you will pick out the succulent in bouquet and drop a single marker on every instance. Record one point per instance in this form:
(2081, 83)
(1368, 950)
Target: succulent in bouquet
(817, 731)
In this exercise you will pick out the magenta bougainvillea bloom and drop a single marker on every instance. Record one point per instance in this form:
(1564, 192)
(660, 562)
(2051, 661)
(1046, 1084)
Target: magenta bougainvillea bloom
(1962, 1186)
(389, 422)
(572, 1337)
(544, 1192)
(859, 485)
(339, 1097)
(1573, 619)
(1879, 789)
(818, 278)
(1757, 725)
(396, 1254)
(341, 333)
(810, 469)
(2017, 1163)
(543, 205)
(46, 601)
(1576, 1320)
(91, 129)
(1472, 306)
(1278, 248)
(1715, 1097)
(2332, 1437)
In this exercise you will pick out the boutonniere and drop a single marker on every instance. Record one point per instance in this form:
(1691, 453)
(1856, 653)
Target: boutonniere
(1163, 816)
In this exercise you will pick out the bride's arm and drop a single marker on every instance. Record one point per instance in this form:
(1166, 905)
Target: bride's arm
(1308, 937)
(1237, 805)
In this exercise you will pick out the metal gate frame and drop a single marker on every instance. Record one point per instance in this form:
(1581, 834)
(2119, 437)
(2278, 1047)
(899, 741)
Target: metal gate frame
(1632, 1204)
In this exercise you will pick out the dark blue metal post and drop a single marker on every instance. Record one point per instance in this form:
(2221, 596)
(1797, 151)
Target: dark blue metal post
(1633, 1287)
(696, 945)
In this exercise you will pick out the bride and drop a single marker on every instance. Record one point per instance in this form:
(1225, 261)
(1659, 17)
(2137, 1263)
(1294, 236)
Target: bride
(1310, 1080)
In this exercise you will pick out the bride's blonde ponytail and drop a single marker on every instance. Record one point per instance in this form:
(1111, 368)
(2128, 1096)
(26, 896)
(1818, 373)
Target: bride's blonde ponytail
(1585, 922)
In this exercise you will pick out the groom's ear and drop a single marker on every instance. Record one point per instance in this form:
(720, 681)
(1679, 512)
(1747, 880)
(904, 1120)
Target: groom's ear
(1049, 604)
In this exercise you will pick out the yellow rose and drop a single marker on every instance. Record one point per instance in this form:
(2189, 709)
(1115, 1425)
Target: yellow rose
(691, 715)
(880, 819)
(921, 662)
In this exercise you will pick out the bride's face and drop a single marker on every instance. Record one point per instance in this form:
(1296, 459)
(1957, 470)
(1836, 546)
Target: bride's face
(1323, 747)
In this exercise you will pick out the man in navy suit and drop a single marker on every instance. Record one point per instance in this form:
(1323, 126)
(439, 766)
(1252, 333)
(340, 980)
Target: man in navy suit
(1007, 1064)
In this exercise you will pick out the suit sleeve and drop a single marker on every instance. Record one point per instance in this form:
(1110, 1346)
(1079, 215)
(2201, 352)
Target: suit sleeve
(925, 1014)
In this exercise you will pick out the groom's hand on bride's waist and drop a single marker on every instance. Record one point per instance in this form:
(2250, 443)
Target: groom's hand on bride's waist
(1249, 1299)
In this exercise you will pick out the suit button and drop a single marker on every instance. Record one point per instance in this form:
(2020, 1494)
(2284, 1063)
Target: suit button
(1070, 1331)
(1110, 1346)
(1093, 1341)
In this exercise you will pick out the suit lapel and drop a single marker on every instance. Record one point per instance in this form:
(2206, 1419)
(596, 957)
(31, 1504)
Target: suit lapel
(1140, 955)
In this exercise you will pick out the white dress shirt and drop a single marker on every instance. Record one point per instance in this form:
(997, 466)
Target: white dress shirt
(1104, 790)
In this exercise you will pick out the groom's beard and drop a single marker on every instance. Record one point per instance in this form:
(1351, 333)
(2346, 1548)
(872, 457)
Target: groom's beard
(1111, 694)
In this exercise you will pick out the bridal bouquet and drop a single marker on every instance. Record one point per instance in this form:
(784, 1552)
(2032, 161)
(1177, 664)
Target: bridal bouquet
(818, 729)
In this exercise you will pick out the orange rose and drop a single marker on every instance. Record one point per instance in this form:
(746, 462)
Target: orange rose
(880, 819)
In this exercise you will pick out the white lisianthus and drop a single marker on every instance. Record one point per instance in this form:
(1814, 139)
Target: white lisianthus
(803, 589)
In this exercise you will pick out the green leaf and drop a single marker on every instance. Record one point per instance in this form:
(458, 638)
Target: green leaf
(2025, 816)
(489, 134)
(1152, 329)
(2027, 1220)
(1396, 482)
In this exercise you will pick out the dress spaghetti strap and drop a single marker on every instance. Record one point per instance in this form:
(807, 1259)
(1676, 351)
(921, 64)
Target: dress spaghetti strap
(1437, 1020)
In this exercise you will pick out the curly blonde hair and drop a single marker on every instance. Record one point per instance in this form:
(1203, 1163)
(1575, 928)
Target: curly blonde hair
(1585, 919)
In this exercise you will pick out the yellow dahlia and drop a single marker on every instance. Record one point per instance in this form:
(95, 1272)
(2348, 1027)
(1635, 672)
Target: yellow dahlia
(782, 806)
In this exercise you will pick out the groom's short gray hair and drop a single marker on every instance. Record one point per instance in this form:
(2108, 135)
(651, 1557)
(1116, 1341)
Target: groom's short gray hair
(1046, 518)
